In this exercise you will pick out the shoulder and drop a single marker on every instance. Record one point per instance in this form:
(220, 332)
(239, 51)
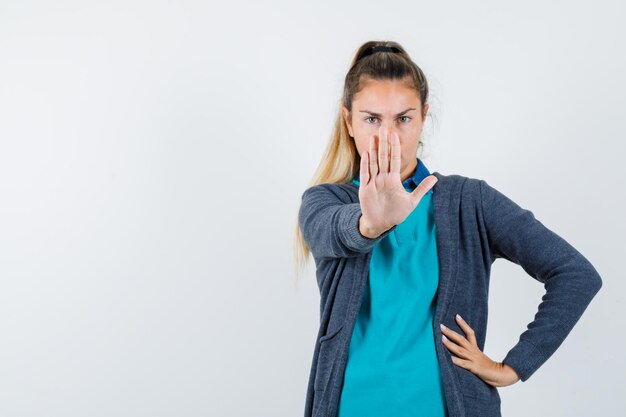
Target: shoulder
(345, 192)
(457, 185)
(498, 210)
(448, 185)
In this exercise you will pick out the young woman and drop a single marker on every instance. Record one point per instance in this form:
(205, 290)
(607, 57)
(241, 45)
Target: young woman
(403, 263)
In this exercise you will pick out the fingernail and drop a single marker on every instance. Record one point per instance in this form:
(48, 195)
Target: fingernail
(459, 317)
(442, 326)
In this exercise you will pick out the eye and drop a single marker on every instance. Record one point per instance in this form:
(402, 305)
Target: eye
(402, 117)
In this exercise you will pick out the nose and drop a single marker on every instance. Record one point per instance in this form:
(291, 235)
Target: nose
(389, 128)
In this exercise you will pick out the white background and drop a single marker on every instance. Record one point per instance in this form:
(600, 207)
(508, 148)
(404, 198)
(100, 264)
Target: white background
(152, 159)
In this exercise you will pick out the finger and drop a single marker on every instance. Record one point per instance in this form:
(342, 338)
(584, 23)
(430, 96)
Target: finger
(469, 332)
(396, 154)
(423, 187)
(383, 151)
(453, 347)
(373, 159)
(364, 173)
(463, 363)
(453, 336)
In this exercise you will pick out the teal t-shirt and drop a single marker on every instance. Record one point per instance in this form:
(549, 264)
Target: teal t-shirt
(392, 367)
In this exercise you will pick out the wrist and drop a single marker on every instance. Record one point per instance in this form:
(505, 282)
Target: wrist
(367, 230)
(510, 372)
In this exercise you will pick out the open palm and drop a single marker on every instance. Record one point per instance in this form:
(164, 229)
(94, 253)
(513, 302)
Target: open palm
(384, 201)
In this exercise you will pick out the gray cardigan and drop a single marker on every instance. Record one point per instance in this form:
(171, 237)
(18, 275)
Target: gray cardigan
(475, 225)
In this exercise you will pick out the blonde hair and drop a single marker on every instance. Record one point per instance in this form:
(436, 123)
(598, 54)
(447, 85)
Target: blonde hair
(341, 161)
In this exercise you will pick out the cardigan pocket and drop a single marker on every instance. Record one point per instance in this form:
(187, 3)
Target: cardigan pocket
(482, 407)
(326, 358)
(473, 386)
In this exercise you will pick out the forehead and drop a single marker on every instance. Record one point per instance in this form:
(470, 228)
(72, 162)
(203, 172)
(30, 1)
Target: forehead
(386, 95)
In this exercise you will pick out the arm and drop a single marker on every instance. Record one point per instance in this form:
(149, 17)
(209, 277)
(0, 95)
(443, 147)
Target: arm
(568, 277)
(330, 227)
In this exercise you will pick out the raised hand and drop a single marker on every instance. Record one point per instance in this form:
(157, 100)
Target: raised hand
(384, 201)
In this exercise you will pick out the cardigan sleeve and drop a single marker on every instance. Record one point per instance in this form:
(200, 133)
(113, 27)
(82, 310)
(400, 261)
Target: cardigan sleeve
(330, 226)
(569, 279)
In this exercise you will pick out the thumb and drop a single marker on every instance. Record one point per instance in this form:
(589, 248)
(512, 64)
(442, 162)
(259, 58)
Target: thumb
(424, 186)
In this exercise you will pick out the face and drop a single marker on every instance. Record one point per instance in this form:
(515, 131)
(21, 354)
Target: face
(391, 105)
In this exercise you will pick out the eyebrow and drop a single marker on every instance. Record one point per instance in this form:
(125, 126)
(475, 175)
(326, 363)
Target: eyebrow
(378, 115)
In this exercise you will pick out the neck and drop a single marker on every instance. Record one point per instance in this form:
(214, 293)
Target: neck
(406, 173)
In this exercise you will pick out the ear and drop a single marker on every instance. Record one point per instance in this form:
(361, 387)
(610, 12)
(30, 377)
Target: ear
(348, 119)
(425, 111)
